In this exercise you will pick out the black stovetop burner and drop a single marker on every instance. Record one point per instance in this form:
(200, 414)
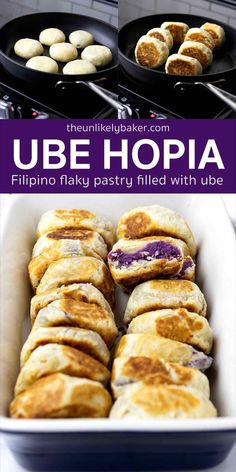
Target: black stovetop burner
(22, 100)
(155, 103)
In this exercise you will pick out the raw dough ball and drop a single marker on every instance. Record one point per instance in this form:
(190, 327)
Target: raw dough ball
(27, 48)
(81, 39)
(79, 67)
(63, 52)
(51, 36)
(43, 64)
(100, 56)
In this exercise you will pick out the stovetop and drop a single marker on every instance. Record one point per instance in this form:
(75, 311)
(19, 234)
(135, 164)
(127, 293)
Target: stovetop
(156, 103)
(22, 100)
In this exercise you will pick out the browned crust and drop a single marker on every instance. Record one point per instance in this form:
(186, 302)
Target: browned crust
(147, 55)
(46, 399)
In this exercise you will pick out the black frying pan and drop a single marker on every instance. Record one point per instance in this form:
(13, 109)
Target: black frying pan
(30, 26)
(222, 68)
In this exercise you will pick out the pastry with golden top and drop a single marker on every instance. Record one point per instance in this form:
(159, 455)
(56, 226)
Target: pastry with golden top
(200, 35)
(178, 64)
(127, 371)
(179, 325)
(155, 220)
(56, 358)
(83, 339)
(85, 293)
(53, 220)
(217, 33)
(177, 29)
(132, 261)
(162, 294)
(162, 402)
(197, 50)
(39, 264)
(69, 270)
(151, 52)
(62, 396)
(163, 35)
(157, 346)
(67, 239)
(68, 312)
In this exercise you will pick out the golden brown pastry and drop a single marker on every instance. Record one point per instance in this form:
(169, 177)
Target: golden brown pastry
(200, 36)
(217, 33)
(69, 238)
(180, 325)
(56, 358)
(129, 370)
(132, 261)
(178, 64)
(177, 29)
(85, 293)
(76, 219)
(197, 50)
(163, 35)
(39, 264)
(62, 396)
(161, 294)
(164, 401)
(156, 346)
(155, 220)
(85, 340)
(151, 52)
(70, 270)
(68, 312)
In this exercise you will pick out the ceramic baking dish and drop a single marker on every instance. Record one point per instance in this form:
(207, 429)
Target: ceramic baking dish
(105, 445)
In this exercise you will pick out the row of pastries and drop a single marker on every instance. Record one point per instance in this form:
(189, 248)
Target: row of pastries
(195, 45)
(64, 360)
(158, 367)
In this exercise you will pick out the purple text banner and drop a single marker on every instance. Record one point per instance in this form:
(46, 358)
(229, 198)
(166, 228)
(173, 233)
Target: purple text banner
(157, 156)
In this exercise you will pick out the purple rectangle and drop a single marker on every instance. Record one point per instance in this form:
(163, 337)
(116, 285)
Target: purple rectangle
(158, 156)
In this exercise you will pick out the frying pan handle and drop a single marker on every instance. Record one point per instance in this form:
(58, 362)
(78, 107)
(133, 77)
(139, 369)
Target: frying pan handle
(123, 111)
(111, 98)
(226, 97)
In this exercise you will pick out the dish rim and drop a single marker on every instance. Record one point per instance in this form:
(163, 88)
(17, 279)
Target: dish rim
(76, 425)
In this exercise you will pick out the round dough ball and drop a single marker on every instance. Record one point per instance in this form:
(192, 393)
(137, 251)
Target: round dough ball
(100, 56)
(79, 67)
(81, 39)
(27, 48)
(51, 36)
(43, 64)
(63, 52)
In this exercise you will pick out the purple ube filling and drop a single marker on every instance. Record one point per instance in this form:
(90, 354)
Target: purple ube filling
(155, 250)
(186, 265)
(199, 360)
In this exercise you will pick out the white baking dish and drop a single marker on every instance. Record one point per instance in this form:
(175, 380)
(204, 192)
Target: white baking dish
(36, 443)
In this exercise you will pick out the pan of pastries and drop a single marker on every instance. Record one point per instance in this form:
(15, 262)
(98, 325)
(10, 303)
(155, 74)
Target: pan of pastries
(134, 356)
(48, 47)
(167, 46)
